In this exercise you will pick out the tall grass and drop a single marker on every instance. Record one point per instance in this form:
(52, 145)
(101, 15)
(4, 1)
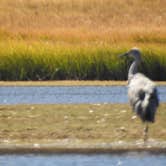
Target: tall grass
(40, 61)
(80, 21)
(80, 39)
(43, 14)
(68, 20)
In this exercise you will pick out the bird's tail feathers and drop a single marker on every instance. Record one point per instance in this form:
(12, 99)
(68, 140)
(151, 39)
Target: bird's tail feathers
(146, 108)
(149, 107)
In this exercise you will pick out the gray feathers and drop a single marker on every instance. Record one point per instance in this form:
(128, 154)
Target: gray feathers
(143, 97)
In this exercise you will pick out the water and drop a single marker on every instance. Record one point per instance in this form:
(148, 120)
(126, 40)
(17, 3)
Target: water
(125, 159)
(75, 94)
(67, 94)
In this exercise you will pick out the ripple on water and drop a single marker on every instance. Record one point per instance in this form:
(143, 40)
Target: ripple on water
(67, 94)
(125, 159)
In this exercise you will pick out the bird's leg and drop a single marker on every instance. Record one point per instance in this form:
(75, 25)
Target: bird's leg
(146, 132)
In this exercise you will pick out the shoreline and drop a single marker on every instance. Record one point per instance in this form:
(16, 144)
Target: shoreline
(69, 83)
(85, 148)
(63, 83)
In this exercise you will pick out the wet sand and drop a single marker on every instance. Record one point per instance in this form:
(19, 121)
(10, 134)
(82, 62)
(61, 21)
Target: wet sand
(68, 83)
(76, 146)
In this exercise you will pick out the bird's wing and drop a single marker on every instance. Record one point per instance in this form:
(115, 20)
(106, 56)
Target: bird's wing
(139, 87)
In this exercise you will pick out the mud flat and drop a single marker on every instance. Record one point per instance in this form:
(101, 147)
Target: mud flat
(77, 128)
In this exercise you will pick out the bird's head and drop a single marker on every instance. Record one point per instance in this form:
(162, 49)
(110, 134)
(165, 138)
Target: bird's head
(134, 52)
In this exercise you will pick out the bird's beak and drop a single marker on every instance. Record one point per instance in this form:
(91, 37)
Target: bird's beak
(125, 54)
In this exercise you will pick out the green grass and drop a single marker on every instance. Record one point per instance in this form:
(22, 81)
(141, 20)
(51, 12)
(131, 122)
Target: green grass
(20, 60)
(101, 123)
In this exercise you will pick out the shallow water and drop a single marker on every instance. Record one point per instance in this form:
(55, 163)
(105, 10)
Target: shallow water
(125, 159)
(67, 94)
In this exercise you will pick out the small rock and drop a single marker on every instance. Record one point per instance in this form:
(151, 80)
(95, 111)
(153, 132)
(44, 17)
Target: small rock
(98, 121)
(6, 141)
(97, 104)
(65, 117)
(106, 114)
(133, 117)
(123, 128)
(91, 111)
(32, 108)
(36, 145)
(123, 111)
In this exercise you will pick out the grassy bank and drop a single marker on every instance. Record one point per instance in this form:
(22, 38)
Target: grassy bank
(80, 39)
(41, 61)
(88, 123)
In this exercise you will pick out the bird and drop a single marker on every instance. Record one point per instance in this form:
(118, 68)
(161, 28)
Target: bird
(142, 92)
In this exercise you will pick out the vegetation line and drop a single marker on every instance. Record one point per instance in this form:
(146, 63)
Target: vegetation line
(38, 61)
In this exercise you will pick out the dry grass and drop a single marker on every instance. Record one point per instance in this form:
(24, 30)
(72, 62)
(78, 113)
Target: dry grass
(102, 123)
(76, 39)
(76, 13)
(84, 20)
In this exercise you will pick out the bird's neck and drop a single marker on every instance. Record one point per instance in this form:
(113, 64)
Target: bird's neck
(133, 69)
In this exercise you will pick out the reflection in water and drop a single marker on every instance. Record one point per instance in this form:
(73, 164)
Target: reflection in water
(68, 94)
(126, 159)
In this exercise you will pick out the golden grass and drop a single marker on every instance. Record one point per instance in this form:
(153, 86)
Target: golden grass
(94, 22)
(91, 122)
(84, 20)
(41, 13)
(43, 33)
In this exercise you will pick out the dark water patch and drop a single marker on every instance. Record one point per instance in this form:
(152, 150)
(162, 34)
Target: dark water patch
(67, 94)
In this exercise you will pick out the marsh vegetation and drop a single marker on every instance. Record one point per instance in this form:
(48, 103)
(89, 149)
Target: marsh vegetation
(80, 39)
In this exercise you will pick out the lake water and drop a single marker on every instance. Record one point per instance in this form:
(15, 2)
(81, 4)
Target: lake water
(125, 159)
(67, 94)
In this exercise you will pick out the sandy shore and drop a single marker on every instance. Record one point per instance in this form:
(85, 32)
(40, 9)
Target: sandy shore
(76, 146)
(68, 83)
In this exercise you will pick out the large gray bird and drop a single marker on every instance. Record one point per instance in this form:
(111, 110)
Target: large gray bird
(142, 91)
